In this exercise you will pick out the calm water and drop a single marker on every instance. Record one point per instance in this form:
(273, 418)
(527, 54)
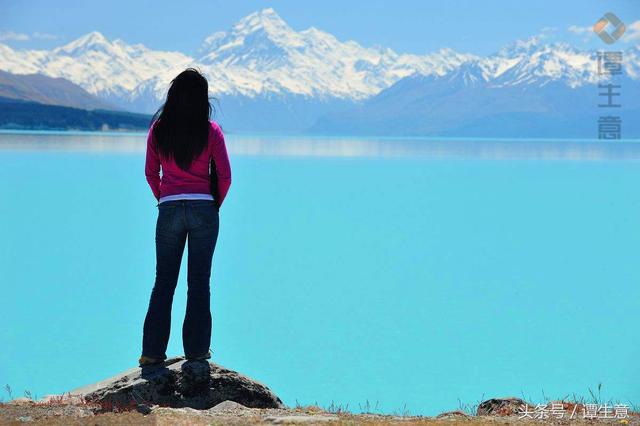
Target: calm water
(414, 273)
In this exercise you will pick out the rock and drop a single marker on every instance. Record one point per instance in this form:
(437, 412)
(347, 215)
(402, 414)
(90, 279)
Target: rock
(452, 414)
(299, 419)
(509, 406)
(178, 383)
(143, 409)
(21, 401)
(186, 411)
(227, 406)
(61, 399)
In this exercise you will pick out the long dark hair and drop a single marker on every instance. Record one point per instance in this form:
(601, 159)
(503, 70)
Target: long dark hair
(182, 128)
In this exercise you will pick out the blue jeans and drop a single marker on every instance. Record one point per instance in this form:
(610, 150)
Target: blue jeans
(178, 219)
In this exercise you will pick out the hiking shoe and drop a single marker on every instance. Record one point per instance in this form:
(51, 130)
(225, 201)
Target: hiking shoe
(145, 361)
(204, 356)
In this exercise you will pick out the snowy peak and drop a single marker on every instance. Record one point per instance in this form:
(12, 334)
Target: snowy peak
(530, 62)
(109, 69)
(260, 35)
(90, 39)
(521, 48)
(535, 63)
(262, 54)
(266, 20)
(469, 74)
(93, 41)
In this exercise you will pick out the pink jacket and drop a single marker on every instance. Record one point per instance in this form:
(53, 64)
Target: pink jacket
(196, 180)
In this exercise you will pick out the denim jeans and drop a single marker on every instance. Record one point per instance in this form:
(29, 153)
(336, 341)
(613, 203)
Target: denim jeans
(178, 221)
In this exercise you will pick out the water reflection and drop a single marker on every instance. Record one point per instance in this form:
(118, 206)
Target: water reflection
(490, 149)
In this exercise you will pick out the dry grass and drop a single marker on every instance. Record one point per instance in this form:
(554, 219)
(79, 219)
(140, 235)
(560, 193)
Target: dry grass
(74, 410)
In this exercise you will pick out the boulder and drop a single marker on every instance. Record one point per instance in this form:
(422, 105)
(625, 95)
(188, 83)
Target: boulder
(452, 414)
(178, 383)
(228, 406)
(509, 406)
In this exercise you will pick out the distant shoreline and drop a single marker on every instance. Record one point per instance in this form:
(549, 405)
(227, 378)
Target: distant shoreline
(27, 115)
(313, 136)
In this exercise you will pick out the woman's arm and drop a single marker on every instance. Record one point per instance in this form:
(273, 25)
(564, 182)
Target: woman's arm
(221, 161)
(152, 166)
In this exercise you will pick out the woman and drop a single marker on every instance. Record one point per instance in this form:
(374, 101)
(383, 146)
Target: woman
(186, 144)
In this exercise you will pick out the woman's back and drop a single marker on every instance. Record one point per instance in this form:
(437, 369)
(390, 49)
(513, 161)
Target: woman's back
(195, 180)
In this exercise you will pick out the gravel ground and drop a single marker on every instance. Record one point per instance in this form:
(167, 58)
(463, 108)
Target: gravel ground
(28, 413)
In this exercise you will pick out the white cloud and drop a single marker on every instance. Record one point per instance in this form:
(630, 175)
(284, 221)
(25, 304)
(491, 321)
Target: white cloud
(633, 32)
(585, 33)
(10, 35)
(580, 30)
(44, 36)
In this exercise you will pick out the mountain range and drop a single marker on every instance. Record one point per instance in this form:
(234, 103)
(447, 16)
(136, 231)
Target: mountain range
(266, 76)
(35, 101)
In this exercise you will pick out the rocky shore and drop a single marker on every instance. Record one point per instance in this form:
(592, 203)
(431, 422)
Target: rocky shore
(182, 392)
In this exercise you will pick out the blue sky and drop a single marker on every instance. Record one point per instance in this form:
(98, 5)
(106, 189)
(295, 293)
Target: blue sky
(479, 27)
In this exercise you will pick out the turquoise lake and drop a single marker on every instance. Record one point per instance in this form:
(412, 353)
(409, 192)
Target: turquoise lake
(416, 275)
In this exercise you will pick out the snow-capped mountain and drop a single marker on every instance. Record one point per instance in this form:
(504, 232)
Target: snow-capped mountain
(261, 65)
(108, 69)
(261, 55)
(534, 62)
(528, 89)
